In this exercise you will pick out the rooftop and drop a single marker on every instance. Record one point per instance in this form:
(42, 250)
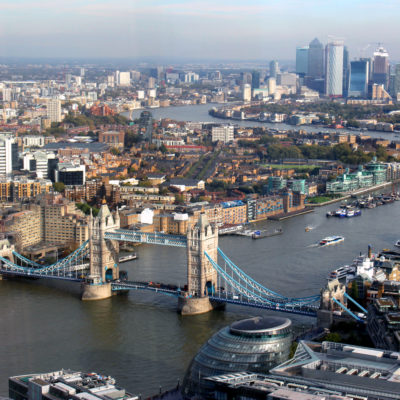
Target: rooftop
(75, 385)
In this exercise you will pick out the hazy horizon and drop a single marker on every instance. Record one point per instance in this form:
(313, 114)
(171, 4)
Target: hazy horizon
(192, 29)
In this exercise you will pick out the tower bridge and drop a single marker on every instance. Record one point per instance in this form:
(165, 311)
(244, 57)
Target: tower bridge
(210, 284)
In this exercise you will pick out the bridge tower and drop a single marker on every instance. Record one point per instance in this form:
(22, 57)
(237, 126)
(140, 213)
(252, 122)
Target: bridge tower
(6, 251)
(103, 255)
(333, 290)
(201, 276)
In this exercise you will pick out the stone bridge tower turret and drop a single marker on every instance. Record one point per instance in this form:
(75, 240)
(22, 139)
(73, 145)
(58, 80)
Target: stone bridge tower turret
(202, 277)
(103, 255)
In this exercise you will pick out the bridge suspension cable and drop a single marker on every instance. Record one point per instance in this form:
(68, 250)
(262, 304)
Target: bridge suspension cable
(253, 291)
(262, 290)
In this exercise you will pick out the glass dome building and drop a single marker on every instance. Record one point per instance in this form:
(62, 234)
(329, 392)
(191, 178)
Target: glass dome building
(254, 345)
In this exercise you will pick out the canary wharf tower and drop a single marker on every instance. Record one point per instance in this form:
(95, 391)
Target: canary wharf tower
(334, 69)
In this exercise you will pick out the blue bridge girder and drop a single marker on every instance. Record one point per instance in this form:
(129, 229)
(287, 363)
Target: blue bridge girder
(133, 285)
(32, 274)
(126, 235)
(240, 288)
(220, 297)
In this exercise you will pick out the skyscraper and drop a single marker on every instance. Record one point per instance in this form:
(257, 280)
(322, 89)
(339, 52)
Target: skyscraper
(316, 59)
(346, 71)
(302, 61)
(255, 80)
(395, 87)
(8, 154)
(246, 94)
(273, 69)
(334, 69)
(54, 110)
(359, 77)
(380, 72)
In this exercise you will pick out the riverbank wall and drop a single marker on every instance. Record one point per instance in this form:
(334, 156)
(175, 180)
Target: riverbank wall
(355, 193)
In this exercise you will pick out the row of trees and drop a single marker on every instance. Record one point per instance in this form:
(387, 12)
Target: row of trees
(338, 110)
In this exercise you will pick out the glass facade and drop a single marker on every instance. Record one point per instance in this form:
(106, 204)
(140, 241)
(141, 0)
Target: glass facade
(358, 79)
(334, 69)
(302, 60)
(254, 344)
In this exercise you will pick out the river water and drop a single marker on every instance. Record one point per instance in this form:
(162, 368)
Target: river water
(199, 113)
(139, 338)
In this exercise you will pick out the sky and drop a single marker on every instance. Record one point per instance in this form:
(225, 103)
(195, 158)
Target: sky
(193, 29)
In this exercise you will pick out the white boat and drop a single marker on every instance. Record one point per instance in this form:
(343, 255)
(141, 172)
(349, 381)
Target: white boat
(397, 244)
(341, 212)
(342, 272)
(127, 258)
(330, 240)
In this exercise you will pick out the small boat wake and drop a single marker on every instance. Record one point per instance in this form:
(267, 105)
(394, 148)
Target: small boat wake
(313, 245)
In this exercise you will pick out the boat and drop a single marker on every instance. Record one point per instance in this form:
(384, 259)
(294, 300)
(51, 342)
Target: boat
(330, 240)
(351, 212)
(129, 257)
(342, 272)
(308, 228)
(264, 234)
(397, 244)
(341, 212)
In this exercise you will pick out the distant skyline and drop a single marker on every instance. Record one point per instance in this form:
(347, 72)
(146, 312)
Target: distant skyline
(193, 29)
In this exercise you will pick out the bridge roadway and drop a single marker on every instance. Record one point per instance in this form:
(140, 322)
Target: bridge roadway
(220, 296)
(68, 274)
(126, 235)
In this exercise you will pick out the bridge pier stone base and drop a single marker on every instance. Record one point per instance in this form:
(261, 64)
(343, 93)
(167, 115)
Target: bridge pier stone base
(96, 292)
(196, 305)
(324, 318)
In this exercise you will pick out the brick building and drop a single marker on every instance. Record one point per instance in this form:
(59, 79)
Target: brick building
(112, 138)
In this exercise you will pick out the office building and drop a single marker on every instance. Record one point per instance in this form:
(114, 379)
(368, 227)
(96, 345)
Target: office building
(61, 221)
(318, 371)
(346, 71)
(395, 87)
(255, 80)
(315, 59)
(191, 77)
(334, 69)
(123, 78)
(359, 77)
(70, 174)
(151, 83)
(380, 69)
(273, 69)
(378, 92)
(24, 226)
(287, 79)
(112, 138)
(66, 384)
(7, 94)
(246, 94)
(245, 78)
(271, 82)
(8, 154)
(302, 61)
(54, 110)
(224, 134)
(33, 141)
(254, 344)
(40, 162)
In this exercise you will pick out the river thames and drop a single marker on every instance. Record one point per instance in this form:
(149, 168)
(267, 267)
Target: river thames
(199, 113)
(140, 339)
